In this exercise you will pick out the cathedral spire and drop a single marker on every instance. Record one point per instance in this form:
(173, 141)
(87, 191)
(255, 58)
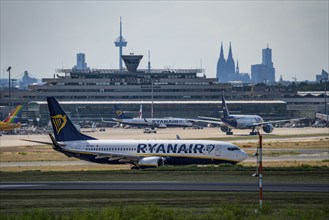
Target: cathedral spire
(230, 64)
(221, 66)
(230, 56)
(221, 56)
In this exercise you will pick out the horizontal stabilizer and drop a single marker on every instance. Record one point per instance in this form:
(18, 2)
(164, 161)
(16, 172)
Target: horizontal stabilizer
(38, 142)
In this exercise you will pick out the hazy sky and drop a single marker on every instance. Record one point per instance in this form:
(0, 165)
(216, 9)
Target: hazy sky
(41, 36)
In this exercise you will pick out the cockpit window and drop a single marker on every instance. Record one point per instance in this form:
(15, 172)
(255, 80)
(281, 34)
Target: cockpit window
(233, 148)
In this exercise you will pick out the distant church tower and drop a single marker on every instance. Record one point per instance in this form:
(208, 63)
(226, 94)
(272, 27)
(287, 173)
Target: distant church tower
(237, 70)
(225, 68)
(221, 66)
(226, 71)
(230, 65)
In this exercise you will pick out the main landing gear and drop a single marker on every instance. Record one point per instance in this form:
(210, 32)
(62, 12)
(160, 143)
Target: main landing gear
(134, 166)
(254, 132)
(150, 130)
(229, 132)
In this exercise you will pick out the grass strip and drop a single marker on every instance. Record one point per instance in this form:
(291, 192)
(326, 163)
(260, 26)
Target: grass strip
(40, 204)
(223, 173)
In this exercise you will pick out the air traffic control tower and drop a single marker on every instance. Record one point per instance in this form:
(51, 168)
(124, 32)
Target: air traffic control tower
(120, 42)
(132, 61)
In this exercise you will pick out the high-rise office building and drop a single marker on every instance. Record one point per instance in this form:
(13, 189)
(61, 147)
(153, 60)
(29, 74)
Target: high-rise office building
(264, 72)
(81, 62)
(323, 76)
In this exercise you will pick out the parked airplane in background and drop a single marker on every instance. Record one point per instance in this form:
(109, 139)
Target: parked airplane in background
(140, 114)
(253, 122)
(138, 153)
(122, 118)
(12, 121)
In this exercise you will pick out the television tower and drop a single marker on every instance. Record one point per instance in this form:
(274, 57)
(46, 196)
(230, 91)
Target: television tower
(149, 63)
(120, 42)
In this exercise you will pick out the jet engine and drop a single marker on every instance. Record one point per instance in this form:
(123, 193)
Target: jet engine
(268, 128)
(162, 126)
(224, 129)
(151, 162)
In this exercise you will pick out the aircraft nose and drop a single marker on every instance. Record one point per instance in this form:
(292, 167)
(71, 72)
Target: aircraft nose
(243, 155)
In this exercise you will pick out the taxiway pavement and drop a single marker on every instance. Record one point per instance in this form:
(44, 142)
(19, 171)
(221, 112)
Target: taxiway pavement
(170, 133)
(163, 186)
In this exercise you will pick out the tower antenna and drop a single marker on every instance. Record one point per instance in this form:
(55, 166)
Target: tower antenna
(149, 63)
(120, 42)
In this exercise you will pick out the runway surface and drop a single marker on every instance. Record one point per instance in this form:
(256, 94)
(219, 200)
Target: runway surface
(163, 186)
(312, 157)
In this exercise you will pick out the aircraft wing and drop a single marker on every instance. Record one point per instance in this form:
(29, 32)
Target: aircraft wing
(118, 156)
(277, 121)
(209, 118)
(123, 157)
(113, 121)
(210, 121)
(218, 119)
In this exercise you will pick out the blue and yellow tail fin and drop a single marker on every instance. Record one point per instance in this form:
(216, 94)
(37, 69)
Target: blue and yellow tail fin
(64, 129)
(119, 112)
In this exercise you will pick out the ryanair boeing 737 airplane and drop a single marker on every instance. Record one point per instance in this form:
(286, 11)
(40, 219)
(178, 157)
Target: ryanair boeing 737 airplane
(138, 153)
(122, 118)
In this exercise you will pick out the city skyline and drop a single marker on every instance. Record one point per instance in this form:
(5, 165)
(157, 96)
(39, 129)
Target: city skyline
(43, 36)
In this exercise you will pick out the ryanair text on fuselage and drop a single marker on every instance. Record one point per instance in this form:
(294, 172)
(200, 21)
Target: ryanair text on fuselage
(166, 121)
(175, 148)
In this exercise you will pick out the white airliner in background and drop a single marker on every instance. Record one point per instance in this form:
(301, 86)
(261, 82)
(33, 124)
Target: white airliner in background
(122, 118)
(138, 153)
(253, 122)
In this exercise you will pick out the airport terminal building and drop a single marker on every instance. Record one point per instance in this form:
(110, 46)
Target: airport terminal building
(186, 93)
(90, 94)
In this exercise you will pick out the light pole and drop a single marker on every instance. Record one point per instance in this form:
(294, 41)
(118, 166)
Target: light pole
(12, 91)
(325, 97)
(325, 80)
(259, 170)
(152, 100)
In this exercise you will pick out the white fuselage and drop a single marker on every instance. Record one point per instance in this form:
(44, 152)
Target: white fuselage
(242, 121)
(172, 150)
(156, 122)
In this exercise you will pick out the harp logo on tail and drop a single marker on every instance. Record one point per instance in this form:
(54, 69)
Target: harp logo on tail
(118, 113)
(59, 121)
